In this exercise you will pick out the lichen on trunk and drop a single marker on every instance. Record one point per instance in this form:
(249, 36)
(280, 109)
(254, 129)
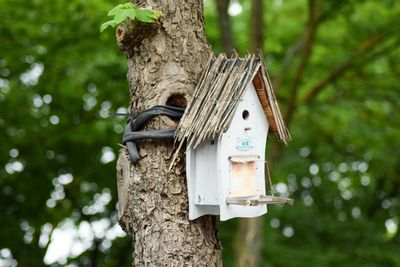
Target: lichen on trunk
(164, 60)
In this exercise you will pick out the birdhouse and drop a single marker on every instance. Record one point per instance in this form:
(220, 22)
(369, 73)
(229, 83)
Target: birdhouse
(225, 127)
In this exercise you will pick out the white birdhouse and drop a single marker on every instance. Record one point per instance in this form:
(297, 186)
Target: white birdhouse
(226, 125)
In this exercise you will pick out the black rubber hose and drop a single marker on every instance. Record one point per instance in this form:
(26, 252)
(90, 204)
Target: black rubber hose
(148, 114)
(132, 132)
(159, 134)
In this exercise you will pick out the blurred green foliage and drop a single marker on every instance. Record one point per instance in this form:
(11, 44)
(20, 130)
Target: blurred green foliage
(59, 79)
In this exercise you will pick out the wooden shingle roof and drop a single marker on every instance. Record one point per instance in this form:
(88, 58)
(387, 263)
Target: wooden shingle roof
(217, 94)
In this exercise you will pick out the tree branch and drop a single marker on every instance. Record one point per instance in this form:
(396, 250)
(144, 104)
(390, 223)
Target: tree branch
(287, 61)
(340, 70)
(95, 253)
(309, 36)
(354, 60)
(297, 46)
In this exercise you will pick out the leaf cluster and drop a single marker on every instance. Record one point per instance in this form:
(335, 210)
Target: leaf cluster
(130, 11)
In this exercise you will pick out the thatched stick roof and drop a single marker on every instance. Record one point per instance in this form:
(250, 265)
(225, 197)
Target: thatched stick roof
(217, 95)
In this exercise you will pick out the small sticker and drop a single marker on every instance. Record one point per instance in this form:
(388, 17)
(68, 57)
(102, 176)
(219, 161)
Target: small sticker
(244, 144)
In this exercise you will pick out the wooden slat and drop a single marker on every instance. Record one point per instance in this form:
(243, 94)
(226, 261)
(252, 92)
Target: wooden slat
(262, 95)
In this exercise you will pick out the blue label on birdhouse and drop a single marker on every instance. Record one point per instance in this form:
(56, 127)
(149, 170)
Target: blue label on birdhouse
(244, 144)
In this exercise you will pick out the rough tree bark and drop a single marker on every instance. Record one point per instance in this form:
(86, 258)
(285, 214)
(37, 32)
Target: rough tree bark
(165, 61)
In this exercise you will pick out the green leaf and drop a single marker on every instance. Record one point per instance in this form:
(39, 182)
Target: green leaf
(124, 15)
(156, 14)
(115, 10)
(105, 25)
(127, 11)
(119, 8)
(130, 13)
(120, 16)
(129, 6)
(145, 15)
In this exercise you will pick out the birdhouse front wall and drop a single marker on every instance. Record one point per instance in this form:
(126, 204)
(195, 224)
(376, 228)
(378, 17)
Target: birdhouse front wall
(241, 157)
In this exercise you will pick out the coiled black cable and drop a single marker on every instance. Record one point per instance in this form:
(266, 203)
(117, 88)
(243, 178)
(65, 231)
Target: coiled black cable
(135, 123)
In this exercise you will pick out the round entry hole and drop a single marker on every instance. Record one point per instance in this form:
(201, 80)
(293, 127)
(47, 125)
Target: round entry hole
(245, 114)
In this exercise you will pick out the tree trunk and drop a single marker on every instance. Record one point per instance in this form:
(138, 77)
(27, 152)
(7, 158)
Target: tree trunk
(249, 242)
(165, 61)
(225, 27)
(250, 235)
(257, 25)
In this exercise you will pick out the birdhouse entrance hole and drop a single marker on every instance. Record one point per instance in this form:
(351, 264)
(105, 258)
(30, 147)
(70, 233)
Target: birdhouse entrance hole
(245, 114)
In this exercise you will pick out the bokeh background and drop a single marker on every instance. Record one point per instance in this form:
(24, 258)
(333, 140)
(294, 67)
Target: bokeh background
(335, 68)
